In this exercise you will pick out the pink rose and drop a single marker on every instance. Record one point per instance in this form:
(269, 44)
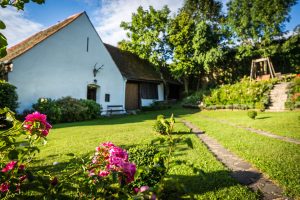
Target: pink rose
(4, 187)
(108, 144)
(91, 172)
(144, 188)
(136, 190)
(30, 119)
(103, 173)
(9, 166)
(98, 148)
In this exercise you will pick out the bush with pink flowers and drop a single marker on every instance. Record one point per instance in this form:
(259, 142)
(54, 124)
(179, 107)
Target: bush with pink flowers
(15, 156)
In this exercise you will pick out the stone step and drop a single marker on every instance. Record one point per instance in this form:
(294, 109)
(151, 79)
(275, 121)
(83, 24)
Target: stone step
(278, 97)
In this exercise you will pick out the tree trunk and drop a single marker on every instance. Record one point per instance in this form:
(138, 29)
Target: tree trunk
(186, 85)
(198, 83)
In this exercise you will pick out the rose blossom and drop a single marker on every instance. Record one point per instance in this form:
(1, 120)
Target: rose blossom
(9, 166)
(4, 187)
(144, 188)
(36, 116)
(103, 173)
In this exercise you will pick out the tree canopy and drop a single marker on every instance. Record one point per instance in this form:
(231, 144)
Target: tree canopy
(256, 23)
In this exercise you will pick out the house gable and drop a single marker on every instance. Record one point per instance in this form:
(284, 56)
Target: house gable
(62, 65)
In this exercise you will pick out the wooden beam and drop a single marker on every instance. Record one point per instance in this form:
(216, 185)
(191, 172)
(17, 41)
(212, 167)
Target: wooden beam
(260, 60)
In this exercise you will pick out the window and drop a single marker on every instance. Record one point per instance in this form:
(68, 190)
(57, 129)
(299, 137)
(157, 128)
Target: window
(92, 93)
(149, 91)
(107, 97)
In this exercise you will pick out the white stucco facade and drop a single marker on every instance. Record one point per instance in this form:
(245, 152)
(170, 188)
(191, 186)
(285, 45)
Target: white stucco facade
(62, 66)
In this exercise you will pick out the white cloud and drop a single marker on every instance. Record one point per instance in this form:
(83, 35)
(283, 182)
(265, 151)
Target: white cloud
(17, 26)
(112, 12)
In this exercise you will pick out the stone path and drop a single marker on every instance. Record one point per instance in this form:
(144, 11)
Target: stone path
(253, 130)
(278, 97)
(242, 171)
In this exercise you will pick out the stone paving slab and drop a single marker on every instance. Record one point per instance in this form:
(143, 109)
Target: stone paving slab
(242, 171)
(253, 130)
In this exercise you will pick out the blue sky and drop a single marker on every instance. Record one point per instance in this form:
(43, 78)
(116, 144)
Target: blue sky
(106, 15)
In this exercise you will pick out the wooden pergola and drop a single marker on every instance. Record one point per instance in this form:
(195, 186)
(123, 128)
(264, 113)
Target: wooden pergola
(262, 69)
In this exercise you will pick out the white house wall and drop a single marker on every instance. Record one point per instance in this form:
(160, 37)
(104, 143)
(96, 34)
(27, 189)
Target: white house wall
(61, 66)
(148, 102)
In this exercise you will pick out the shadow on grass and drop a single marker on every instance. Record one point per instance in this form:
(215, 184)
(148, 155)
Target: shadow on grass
(181, 186)
(262, 117)
(125, 119)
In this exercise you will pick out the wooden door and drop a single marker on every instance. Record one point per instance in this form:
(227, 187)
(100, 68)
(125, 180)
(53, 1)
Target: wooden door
(132, 96)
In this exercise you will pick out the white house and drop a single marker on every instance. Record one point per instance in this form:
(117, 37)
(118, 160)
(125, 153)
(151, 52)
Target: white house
(70, 59)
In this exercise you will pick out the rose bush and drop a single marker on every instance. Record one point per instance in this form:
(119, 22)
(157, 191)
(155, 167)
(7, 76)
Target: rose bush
(15, 156)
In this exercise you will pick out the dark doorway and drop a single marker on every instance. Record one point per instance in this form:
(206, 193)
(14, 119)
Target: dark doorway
(91, 93)
(132, 96)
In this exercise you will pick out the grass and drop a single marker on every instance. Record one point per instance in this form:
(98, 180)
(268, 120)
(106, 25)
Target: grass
(197, 173)
(279, 160)
(280, 123)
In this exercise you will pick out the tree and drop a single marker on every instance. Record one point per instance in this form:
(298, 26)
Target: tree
(147, 35)
(209, 34)
(203, 9)
(180, 33)
(257, 22)
(19, 4)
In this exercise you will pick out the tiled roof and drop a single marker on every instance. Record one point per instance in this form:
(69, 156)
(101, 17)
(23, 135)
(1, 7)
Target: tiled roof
(30, 42)
(132, 67)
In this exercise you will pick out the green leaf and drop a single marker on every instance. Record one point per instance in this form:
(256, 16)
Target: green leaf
(2, 25)
(13, 155)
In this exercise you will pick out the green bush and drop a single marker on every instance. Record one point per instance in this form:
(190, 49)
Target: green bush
(50, 108)
(150, 164)
(252, 114)
(93, 108)
(158, 127)
(195, 98)
(164, 126)
(244, 93)
(293, 100)
(8, 96)
(67, 109)
(72, 110)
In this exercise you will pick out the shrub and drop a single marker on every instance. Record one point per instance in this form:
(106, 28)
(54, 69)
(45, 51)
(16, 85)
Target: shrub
(8, 96)
(293, 100)
(93, 108)
(158, 127)
(260, 106)
(150, 164)
(164, 126)
(252, 114)
(195, 98)
(72, 110)
(48, 107)
(244, 92)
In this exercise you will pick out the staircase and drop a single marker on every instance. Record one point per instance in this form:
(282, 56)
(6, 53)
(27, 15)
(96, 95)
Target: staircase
(278, 97)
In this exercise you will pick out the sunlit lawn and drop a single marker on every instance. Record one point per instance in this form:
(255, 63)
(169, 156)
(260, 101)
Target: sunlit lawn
(280, 123)
(279, 160)
(201, 177)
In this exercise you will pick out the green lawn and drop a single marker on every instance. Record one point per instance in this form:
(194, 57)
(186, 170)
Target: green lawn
(202, 177)
(280, 123)
(279, 160)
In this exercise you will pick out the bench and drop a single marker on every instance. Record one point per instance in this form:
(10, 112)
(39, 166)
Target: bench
(114, 108)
